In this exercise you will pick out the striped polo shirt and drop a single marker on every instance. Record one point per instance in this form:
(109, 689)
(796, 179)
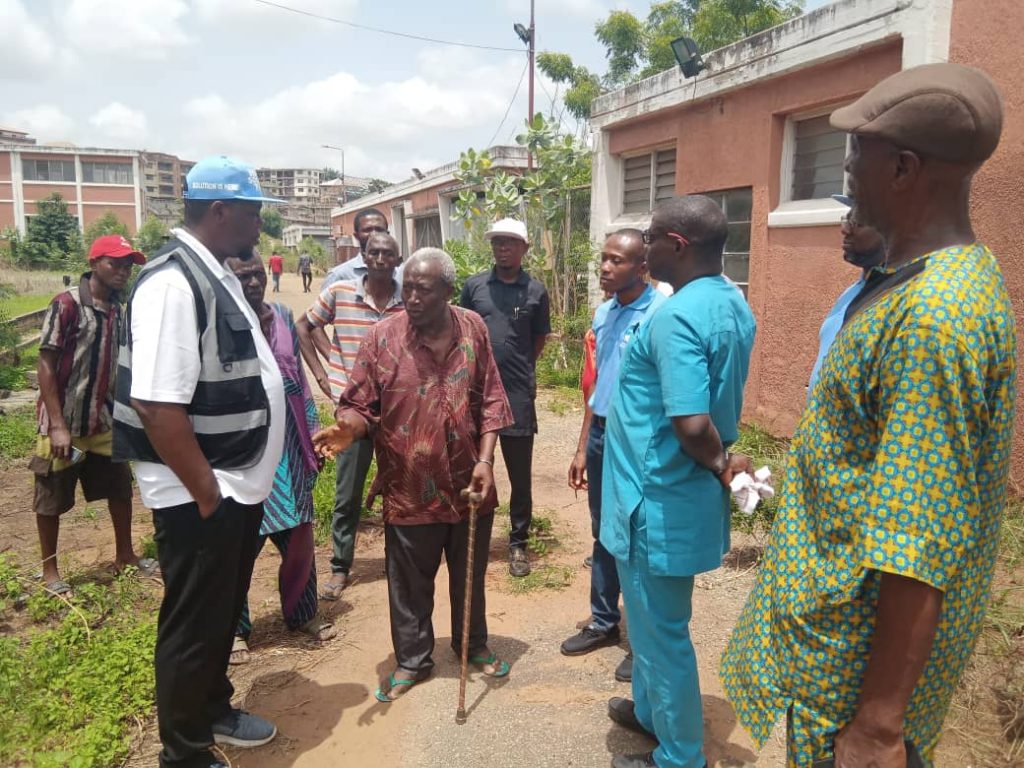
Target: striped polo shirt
(85, 337)
(345, 306)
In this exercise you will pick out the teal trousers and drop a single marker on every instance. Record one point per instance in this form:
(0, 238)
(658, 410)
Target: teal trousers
(666, 691)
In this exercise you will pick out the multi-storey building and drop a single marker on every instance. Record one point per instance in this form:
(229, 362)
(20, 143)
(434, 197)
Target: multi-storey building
(92, 181)
(164, 175)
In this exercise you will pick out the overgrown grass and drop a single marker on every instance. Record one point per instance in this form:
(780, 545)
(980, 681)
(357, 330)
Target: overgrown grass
(323, 491)
(17, 435)
(73, 685)
(14, 371)
(23, 303)
(763, 449)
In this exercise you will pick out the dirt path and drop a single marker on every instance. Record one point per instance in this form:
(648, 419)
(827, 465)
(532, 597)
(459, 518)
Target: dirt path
(549, 712)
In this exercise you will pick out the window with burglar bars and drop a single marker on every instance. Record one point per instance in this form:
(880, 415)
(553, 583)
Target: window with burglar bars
(647, 180)
(107, 173)
(48, 170)
(819, 151)
(737, 205)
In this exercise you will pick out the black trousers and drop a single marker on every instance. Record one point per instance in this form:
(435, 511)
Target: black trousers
(412, 555)
(518, 455)
(206, 567)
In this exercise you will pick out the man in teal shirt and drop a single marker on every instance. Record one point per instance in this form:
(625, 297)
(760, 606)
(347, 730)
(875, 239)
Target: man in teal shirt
(665, 499)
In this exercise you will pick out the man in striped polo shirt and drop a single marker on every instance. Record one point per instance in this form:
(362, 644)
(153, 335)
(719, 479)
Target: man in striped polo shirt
(77, 361)
(350, 307)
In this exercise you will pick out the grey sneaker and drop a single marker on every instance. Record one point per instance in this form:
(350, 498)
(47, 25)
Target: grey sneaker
(518, 562)
(242, 729)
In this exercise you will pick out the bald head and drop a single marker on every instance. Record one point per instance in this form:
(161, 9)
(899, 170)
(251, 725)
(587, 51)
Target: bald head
(699, 219)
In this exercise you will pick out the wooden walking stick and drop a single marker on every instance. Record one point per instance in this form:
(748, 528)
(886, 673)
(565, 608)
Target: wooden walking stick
(467, 603)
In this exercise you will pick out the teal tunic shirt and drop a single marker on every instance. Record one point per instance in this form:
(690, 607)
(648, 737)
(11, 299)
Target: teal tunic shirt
(689, 357)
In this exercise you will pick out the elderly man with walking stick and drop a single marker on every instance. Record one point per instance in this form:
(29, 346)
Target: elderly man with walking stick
(426, 389)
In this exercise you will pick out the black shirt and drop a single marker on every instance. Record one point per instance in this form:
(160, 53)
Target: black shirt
(515, 315)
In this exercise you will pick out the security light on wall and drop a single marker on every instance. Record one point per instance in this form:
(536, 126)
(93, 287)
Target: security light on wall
(688, 56)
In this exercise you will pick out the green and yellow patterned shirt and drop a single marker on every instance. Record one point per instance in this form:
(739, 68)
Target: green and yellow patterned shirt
(899, 465)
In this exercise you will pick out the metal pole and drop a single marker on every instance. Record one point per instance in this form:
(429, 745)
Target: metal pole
(532, 54)
(344, 187)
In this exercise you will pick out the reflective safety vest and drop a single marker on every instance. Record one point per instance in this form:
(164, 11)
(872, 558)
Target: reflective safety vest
(230, 411)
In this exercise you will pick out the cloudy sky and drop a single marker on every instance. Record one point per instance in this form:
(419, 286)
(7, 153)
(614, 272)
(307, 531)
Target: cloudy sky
(195, 77)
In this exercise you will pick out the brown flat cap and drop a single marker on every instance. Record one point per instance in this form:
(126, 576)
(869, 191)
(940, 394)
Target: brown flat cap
(946, 111)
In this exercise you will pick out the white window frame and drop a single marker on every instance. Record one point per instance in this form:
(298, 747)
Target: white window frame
(818, 212)
(652, 152)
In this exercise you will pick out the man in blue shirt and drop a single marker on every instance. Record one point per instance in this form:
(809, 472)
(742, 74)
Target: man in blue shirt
(665, 500)
(366, 222)
(623, 273)
(863, 247)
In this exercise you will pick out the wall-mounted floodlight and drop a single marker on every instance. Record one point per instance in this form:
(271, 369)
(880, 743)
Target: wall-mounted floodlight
(688, 56)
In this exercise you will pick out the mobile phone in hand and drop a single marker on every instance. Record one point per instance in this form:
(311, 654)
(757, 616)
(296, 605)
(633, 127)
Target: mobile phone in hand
(75, 456)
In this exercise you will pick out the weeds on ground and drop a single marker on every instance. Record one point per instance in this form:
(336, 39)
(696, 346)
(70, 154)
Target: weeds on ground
(17, 434)
(14, 372)
(543, 576)
(565, 400)
(73, 687)
(763, 449)
(323, 491)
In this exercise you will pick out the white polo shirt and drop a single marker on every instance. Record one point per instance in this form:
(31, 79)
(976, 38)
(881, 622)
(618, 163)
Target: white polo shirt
(166, 366)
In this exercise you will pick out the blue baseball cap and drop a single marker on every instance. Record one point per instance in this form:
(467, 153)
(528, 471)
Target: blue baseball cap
(224, 178)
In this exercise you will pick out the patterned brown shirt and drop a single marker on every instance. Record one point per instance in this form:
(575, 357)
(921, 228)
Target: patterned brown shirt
(85, 336)
(426, 419)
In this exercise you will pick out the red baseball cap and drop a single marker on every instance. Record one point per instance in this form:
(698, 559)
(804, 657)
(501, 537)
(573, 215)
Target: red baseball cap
(116, 247)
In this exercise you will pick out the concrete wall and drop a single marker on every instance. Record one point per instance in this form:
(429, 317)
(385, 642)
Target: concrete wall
(985, 34)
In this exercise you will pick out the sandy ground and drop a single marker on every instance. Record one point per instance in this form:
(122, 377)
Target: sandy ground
(551, 711)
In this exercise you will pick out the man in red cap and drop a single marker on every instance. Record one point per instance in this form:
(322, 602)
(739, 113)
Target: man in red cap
(77, 362)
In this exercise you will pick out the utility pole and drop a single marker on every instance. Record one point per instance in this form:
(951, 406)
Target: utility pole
(533, 56)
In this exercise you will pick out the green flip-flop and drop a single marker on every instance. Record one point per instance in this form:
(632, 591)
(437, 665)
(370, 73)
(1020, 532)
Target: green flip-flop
(394, 684)
(500, 668)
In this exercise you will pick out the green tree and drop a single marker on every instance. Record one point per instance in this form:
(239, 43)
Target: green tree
(329, 174)
(377, 185)
(107, 224)
(637, 48)
(152, 235)
(273, 221)
(52, 238)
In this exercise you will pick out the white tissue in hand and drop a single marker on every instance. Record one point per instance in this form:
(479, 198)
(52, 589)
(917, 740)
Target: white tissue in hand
(748, 491)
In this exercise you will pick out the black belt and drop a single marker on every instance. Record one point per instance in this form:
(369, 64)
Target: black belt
(599, 421)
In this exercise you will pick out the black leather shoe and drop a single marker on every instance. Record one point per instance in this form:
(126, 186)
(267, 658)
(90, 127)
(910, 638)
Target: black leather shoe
(645, 760)
(620, 711)
(589, 639)
(624, 672)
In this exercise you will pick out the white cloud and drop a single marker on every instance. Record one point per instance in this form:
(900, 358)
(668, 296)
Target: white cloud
(254, 19)
(46, 122)
(385, 128)
(138, 29)
(122, 124)
(25, 47)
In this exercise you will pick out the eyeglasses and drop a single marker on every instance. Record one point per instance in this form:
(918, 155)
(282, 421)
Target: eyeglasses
(649, 237)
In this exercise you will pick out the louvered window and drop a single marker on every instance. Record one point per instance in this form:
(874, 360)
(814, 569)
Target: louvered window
(647, 180)
(819, 151)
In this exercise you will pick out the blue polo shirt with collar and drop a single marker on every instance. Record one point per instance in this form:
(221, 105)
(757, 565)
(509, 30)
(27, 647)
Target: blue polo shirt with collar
(613, 326)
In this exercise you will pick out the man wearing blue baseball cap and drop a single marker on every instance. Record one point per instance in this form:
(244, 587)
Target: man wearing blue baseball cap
(200, 409)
